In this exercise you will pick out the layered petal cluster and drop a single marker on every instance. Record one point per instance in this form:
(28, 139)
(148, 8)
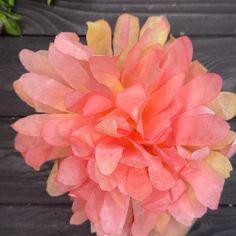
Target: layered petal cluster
(137, 130)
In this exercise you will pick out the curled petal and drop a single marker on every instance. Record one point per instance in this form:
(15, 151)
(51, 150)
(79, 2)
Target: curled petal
(99, 37)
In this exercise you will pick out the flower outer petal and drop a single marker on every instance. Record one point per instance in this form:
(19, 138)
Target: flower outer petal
(220, 163)
(99, 37)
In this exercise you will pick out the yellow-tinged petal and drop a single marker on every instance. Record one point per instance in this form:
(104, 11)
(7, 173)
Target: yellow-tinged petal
(126, 33)
(224, 105)
(220, 163)
(52, 187)
(160, 27)
(162, 222)
(99, 37)
(225, 142)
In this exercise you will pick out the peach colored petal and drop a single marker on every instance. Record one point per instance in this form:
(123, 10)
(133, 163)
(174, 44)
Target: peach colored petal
(206, 183)
(94, 205)
(78, 217)
(84, 190)
(52, 186)
(131, 98)
(38, 63)
(72, 172)
(126, 33)
(224, 105)
(201, 130)
(225, 142)
(45, 90)
(162, 222)
(105, 71)
(160, 27)
(160, 177)
(51, 135)
(186, 209)
(193, 154)
(68, 43)
(178, 189)
(38, 155)
(107, 157)
(134, 55)
(99, 37)
(32, 125)
(157, 201)
(195, 69)
(113, 214)
(200, 90)
(144, 221)
(138, 183)
(220, 163)
(69, 69)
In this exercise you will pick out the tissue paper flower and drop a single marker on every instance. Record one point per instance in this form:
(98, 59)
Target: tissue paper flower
(136, 130)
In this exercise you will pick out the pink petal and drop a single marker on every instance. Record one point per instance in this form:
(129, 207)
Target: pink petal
(201, 130)
(107, 157)
(106, 72)
(178, 189)
(72, 172)
(68, 43)
(186, 209)
(45, 90)
(157, 201)
(78, 217)
(50, 133)
(160, 177)
(126, 33)
(94, 205)
(69, 68)
(144, 221)
(206, 183)
(38, 155)
(200, 90)
(37, 63)
(113, 214)
(83, 191)
(131, 98)
(138, 183)
(32, 125)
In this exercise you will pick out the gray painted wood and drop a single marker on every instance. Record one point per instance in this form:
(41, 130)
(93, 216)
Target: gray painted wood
(191, 16)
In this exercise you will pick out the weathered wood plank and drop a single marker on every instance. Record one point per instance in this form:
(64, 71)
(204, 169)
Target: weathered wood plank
(21, 184)
(217, 54)
(190, 16)
(54, 220)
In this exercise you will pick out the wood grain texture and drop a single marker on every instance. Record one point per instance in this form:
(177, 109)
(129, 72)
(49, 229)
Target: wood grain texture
(20, 184)
(218, 54)
(54, 221)
(210, 17)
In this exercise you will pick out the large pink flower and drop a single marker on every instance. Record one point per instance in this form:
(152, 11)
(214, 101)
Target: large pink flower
(138, 133)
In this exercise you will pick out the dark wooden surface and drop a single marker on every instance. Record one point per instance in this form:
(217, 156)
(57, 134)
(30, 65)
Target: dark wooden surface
(25, 208)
